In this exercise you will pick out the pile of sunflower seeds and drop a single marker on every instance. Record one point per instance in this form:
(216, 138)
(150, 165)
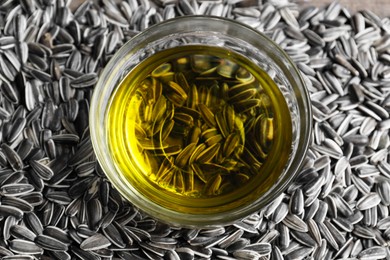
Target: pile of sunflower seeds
(56, 202)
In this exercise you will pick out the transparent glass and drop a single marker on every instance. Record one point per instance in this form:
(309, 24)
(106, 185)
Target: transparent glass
(213, 31)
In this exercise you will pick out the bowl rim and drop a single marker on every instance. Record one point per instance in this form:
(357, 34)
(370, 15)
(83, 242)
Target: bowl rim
(97, 135)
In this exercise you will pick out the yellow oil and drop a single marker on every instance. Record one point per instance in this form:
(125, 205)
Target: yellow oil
(137, 123)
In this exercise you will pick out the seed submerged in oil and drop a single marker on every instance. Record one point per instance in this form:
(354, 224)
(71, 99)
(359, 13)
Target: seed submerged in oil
(198, 122)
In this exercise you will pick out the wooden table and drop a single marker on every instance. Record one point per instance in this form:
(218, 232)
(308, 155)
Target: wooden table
(379, 7)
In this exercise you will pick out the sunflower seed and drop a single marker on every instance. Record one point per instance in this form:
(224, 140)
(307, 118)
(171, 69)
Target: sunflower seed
(208, 154)
(328, 235)
(296, 205)
(57, 233)
(19, 257)
(303, 238)
(246, 254)
(207, 115)
(22, 232)
(21, 246)
(42, 170)
(83, 254)
(112, 233)
(363, 232)
(34, 223)
(85, 80)
(295, 250)
(375, 252)
(368, 201)
(261, 248)
(295, 223)
(17, 189)
(280, 213)
(18, 203)
(95, 242)
(49, 243)
(12, 157)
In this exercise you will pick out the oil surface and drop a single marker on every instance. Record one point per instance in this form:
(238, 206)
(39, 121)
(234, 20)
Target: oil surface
(199, 126)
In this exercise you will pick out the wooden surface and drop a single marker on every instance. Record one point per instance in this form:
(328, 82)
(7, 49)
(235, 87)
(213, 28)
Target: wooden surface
(379, 7)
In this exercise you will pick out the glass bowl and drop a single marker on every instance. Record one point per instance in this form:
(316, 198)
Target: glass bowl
(230, 193)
